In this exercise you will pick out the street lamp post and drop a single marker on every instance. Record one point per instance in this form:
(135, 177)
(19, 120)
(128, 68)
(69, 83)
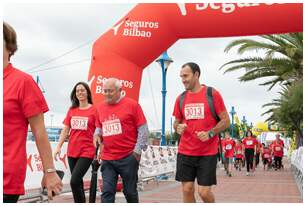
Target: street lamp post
(164, 61)
(244, 121)
(232, 112)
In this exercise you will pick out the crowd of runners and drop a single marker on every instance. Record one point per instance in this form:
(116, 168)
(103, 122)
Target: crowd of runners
(248, 152)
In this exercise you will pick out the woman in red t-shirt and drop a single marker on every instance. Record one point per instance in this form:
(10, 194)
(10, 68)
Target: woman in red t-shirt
(249, 145)
(80, 126)
(23, 105)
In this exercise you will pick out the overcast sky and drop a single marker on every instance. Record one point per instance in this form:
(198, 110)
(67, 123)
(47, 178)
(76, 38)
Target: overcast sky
(46, 31)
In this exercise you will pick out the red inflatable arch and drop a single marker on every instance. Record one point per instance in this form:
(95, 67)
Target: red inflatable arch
(149, 29)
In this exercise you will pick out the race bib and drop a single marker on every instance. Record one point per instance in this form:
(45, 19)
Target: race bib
(228, 147)
(80, 123)
(249, 142)
(278, 149)
(239, 152)
(111, 127)
(194, 111)
(266, 155)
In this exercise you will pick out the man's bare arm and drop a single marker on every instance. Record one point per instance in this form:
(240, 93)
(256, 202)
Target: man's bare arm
(223, 123)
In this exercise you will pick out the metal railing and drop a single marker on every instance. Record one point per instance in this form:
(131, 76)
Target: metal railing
(296, 161)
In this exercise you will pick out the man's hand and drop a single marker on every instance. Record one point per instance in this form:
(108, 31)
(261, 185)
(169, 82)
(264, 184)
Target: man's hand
(52, 183)
(203, 136)
(97, 139)
(181, 128)
(137, 156)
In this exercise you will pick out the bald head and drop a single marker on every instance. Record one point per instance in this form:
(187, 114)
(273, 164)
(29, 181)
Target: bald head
(112, 90)
(113, 82)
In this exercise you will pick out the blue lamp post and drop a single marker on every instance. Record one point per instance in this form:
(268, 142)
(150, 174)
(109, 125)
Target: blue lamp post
(164, 61)
(244, 121)
(232, 112)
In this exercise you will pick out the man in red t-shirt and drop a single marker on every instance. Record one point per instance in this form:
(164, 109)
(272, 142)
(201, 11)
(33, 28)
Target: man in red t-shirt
(194, 121)
(123, 130)
(278, 151)
(23, 105)
(228, 147)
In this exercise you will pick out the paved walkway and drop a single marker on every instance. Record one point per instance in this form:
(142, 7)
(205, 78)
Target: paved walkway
(264, 187)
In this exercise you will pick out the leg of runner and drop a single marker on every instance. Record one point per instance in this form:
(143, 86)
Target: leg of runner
(248, 160)
(188, 192)
(78, 168)
(226, 165)
(206, 194)
(110, 179)
(10, 198)
(230, 164)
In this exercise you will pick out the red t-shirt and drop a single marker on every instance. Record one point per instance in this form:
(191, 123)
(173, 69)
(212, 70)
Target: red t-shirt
(22, 99)
(249, 142)
(266, 153)
(119, 123)
(82, 128)
(278, 148)
(228, 146)
(238, 149)
(198, 117)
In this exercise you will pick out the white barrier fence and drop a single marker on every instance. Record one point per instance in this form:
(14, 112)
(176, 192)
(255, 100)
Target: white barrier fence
(155, 161)
(296, 160)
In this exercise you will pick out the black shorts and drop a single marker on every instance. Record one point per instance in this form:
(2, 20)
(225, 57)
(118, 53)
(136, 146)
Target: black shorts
(239, 159)
(201, 167)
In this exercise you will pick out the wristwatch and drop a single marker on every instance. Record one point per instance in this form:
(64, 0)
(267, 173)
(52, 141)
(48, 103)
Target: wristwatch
(50, 170)
(211, 134)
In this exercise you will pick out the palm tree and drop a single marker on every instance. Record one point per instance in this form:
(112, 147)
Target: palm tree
(283, 59)
(288, 110)
(283, 62)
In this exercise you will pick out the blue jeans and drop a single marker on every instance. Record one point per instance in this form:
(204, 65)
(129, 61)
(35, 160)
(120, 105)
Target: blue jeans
(127, 168)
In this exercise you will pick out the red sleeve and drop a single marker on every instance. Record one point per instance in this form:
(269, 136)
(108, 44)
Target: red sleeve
(218, 102)
(177, 113)
(222, 143)
(32, 99)
(67, 118)
(139, 116)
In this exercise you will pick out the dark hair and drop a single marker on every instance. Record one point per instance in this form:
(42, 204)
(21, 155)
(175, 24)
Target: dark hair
(10, 38)
(246, 134)
(194, 67)
(74, 100)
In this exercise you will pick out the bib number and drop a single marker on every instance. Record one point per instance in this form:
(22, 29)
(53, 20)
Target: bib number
(228, 147)
(194, 111)
(112, 127)
(79, 122)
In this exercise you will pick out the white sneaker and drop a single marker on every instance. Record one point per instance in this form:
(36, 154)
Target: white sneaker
(247, 174)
